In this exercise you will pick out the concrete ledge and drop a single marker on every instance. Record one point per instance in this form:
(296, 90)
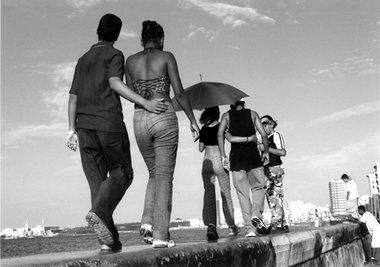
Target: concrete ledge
(339, 245)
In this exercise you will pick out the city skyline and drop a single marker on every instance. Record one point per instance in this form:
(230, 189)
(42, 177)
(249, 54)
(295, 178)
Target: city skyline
(312, 65)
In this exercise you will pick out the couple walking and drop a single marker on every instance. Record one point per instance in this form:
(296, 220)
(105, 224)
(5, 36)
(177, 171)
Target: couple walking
(96, 122)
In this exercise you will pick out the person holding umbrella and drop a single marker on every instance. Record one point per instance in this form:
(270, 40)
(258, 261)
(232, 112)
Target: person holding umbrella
(246, 163)
(150, 73)
(212, 168)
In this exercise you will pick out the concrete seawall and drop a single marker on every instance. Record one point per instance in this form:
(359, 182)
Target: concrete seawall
(339, 245)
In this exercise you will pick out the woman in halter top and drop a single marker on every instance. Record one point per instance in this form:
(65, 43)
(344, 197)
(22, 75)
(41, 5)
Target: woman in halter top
(150, 73)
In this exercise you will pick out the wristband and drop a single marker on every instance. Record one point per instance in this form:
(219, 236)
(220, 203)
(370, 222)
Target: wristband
(71, 132)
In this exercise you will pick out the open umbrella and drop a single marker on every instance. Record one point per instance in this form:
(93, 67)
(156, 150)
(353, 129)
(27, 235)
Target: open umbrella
(208, 94)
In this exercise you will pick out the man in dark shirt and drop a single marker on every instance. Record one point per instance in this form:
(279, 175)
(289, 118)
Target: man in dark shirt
(246, 163)
(96, 120)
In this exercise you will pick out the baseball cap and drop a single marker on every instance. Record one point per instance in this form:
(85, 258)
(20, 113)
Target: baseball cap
(269, 118)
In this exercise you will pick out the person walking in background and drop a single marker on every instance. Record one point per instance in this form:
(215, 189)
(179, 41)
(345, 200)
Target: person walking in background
(274, 172)
(352, 195)
(151, 72)
(96, 121)
(212, 168)
(373, 227)
(246, 163)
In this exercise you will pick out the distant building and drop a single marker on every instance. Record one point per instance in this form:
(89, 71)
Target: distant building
(338, 197)
(14, 233)
(300, 211)
(374, 188)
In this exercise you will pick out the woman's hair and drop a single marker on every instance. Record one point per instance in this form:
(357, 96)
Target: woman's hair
(109, 28)
(151, 31)
(210, 115)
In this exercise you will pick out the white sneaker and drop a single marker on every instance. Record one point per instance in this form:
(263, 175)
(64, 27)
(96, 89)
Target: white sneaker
(163, 244)
(147, 233)
(250, 234)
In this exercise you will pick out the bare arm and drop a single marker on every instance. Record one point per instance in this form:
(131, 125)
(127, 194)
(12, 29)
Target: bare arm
(72, 139)
(264, 137)
(240, 139)
(180, 94)
(72, 110)
(155, 105)
(222, 127)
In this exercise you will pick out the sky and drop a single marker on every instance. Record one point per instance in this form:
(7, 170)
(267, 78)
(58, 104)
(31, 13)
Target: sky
(313, 65)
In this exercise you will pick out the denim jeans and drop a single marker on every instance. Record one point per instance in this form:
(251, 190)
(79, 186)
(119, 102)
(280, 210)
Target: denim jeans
(212, 168)
(157, 139)
(250, 181)
(102, 154)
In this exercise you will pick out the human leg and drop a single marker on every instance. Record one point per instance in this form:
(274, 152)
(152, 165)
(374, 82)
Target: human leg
(116, 149)
(353, 207)
(96, 165)
(256, 178)
(242, 187)
(145, 145)
(209, 202)
(225, 190)
(276, 196)
(93, 160)
(164, 130)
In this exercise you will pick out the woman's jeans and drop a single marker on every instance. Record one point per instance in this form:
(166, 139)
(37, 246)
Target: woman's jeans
(212, 167)
(157, 139)
(106, 153)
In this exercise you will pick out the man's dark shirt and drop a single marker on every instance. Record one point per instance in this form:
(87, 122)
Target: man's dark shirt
(243, 156)
(98, 106)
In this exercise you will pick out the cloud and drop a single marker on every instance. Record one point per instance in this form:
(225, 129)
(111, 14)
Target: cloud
(81, 6)
(55, 101)
(356, 66)
(358, 110)
(338, 159)
(21, 133)
(127, 34)
(208, 34)
(235, 16)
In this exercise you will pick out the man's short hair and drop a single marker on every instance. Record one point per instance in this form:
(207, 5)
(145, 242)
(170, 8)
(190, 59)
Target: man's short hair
(109, 28)
(344, 176)
(361, 207)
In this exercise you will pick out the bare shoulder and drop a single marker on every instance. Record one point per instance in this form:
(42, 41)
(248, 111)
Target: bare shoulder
(133, 58)
(166, 55)
(254, 113)
(225, 116)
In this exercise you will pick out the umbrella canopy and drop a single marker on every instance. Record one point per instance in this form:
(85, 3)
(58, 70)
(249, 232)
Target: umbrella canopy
(208, 94)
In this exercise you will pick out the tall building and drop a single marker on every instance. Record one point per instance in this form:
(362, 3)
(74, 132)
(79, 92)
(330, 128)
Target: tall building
(373, 180)
(374, 187)
(338, 197)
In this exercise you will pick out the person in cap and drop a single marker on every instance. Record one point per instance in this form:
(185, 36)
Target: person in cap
(246, 163)
(96, 121)
(352, 195)
(274, 172)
